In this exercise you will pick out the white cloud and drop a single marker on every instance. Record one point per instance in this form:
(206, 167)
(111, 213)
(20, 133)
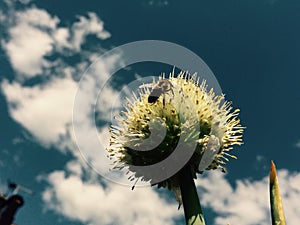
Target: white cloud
(29, 41)
(17, 141)
(158, 3)
(37, 18)
(259, 158)
(61, 37)
(2, 164)
(108, 101)
(2, 16)
(24, 1)
(74, 37)
(86, 26)
(298, 144)
(45, 110)
(34, 34)
(26, 49)
(75, 168)
(94, 204)
(3, 188)
(248, 202)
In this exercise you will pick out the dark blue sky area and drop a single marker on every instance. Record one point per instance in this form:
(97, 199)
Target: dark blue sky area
(252, 46)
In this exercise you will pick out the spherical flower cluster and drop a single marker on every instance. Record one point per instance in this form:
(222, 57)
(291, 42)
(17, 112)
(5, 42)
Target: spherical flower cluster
(153, 122)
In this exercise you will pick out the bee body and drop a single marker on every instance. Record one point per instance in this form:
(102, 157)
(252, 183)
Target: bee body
(154, 95)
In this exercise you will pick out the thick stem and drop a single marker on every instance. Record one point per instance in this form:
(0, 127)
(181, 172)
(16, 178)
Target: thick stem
(191, 204)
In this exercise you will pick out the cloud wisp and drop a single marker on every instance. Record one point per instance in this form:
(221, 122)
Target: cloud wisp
(92, 203)
(44, 109)
(297, 145)
(248, 202)
(33, 35)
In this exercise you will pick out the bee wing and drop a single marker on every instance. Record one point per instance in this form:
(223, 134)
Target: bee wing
(156, 92)
(146, 86)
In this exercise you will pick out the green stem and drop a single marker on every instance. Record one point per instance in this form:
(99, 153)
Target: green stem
(191, 204)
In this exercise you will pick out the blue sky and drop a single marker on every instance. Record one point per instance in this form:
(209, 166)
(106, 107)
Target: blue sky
(251, 46)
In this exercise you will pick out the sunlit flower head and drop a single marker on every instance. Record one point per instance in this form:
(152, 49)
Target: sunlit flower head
(150, 127)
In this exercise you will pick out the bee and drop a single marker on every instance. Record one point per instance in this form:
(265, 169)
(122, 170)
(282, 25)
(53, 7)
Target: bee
(161, 88)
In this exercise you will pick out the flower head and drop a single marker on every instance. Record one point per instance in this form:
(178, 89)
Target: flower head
(153, 123)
